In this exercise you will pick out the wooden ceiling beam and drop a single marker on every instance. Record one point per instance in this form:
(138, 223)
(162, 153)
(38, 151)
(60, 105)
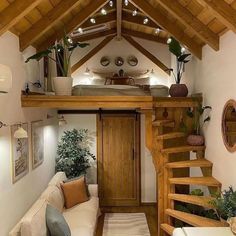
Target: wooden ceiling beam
(119, 5)
(138, 20)
(91, 53)
(159, 18)
(142, 35)
(84, 38)
(111, 17)
(223, 11)
(15, 12)
(76, 21)
(147, 54)
(46, 22)
(189, 20)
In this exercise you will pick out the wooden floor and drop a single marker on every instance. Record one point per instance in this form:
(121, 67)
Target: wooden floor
(150, 211)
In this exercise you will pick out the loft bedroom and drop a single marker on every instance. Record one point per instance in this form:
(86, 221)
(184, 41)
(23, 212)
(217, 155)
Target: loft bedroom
(117, 117)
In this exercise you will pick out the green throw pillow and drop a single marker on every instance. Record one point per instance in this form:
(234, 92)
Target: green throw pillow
(56, 223)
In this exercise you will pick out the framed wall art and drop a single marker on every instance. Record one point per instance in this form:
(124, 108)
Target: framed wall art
(20, 154)
(37, 142)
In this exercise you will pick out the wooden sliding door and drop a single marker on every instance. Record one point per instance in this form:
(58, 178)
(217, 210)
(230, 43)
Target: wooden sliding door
(119, 159)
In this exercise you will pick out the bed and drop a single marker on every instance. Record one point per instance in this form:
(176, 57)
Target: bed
(120, 90)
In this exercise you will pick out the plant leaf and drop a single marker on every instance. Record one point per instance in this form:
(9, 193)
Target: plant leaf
(182, 58)
(39, 56)
(175, 47)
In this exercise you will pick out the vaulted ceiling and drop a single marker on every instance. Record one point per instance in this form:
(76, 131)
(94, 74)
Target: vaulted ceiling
(194, 23)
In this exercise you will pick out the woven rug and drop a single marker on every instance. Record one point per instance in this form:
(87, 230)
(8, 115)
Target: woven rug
(125, 224)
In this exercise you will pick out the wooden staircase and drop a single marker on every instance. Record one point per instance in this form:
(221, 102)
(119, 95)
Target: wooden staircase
(172, 161)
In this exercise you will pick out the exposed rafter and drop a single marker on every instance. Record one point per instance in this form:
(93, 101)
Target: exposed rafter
(88, 37)
(46, 22)
(142, 35)
(223, 11)
(91, 53)
(138, 20)
(76, 21)
(119, 18)
(148, 54)
(190, 21)
(111, 17)
(159, 18)
(15, 12)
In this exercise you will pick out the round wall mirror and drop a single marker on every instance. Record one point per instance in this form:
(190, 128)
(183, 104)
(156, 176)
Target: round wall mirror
(105, 61)
(119, 61)
(229, 125)
(132, 61)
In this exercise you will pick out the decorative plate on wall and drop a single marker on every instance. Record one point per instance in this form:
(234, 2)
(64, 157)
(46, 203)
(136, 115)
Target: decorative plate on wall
(105, 61)
(119, 61)
(132, 61)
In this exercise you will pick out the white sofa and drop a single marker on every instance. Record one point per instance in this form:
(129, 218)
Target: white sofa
(82, 219)
(197, 231)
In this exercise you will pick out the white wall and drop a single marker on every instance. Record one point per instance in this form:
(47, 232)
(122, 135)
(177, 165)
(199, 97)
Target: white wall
(15, 199)
(124, 49)
(215, 77)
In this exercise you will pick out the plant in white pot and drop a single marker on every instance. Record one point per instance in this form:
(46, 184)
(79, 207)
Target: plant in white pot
(61, 53)
(196, 139)
(178, 89)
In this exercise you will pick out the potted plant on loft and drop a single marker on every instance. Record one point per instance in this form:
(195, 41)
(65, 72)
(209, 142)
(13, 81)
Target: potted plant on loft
(178, 89)
(61, 53)
(225, 207)
(196, 139)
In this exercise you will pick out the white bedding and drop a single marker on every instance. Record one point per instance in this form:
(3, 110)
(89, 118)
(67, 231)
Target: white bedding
(117, 90)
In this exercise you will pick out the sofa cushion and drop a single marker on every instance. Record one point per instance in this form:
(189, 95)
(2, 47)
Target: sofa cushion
(57, 179)
(74, 192)
(82, 219)
(34, 223)
(54, 196)
(56, 222)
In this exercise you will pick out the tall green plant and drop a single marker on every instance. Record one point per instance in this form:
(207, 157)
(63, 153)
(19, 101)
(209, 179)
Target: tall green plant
(74, 154)
(63, 51)
(181, 59)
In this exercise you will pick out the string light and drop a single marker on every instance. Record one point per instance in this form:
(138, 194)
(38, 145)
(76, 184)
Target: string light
(103, 11)
(135, 12)
(145, 21)
(183, 50)
(93, 21)
(70, 40)
(126, 3)
(157, 30)
(169, 40)
(80, 30)
(111, 4)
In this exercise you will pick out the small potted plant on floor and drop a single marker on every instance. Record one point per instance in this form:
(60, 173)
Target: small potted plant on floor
(196, 139)
(225, 206)
(178, 89)
(62, 52)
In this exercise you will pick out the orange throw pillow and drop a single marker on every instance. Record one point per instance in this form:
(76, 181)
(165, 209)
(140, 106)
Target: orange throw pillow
(74, 192)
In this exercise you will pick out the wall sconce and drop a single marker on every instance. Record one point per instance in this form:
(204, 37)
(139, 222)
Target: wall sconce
(2, 125)
(62, 121)
(20, 133)
(5, 79)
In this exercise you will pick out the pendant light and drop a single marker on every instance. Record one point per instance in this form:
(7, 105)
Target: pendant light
(20, 133)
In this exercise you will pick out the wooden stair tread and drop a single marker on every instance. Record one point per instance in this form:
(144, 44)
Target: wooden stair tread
(194, 220)
(196, 200)
(171, 135)
(167, 228)
(205, 181)
(191, 163)
(180, 149)
(166, 123)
